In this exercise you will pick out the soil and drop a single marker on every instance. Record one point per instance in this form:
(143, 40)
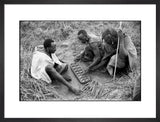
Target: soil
(67, 54)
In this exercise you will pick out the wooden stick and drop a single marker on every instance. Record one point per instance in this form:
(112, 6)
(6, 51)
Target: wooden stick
(114, 76)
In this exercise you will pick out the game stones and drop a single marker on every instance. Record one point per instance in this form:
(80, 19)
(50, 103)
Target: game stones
(79, 73)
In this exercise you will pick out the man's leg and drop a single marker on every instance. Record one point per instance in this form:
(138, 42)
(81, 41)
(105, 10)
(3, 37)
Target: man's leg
(53, 74)
(110, 70)
(62, 70)
(111, 65)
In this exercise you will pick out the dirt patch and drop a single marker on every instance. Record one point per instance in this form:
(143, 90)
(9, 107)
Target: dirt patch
(121, 89)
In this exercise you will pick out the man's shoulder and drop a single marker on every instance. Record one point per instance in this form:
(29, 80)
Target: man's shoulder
(128, 40)
(39, 52)
(93, 36)
(93, 45)
(96, 44)
(39, 48)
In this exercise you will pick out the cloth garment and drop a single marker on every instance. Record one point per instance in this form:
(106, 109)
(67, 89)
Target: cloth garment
(39, 61)
(54, 57)
(131, 56)
(137, 90)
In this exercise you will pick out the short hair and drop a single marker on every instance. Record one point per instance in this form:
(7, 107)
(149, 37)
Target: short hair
(47, 43)
(110, 34)
(87, 38)
(82, 32)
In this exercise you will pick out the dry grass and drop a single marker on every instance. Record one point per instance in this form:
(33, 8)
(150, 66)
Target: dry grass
(33, 33)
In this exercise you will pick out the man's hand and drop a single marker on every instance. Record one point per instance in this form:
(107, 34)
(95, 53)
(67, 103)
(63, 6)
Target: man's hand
(87, 70)
(121, 35)
(77, 59)
(122, 49)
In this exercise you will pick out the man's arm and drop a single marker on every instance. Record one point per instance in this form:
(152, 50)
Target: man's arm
(105, 59)
(79, 57)
(97, 58)
(122, 49)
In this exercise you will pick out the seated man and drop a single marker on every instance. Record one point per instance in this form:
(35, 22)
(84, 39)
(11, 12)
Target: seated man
(127, 53)
(47, 67)
(93, 50)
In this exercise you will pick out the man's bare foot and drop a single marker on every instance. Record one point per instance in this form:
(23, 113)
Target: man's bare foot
(76, 91)
(67, 77)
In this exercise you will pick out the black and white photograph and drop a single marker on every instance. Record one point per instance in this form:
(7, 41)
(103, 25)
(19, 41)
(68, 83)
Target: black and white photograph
(79, 60)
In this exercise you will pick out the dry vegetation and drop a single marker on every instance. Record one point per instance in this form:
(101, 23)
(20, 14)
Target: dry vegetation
(33, 33)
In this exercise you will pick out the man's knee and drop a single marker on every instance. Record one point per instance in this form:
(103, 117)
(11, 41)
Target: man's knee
(110, 69)
(50, 68)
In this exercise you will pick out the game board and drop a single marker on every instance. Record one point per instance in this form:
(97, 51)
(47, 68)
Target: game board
(79, 73)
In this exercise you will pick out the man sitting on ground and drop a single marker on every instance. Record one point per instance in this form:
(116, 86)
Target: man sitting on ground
(93, 50)
(47, 67)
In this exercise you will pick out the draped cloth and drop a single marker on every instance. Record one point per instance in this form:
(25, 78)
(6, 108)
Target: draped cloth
(131, 54)
(39, 62)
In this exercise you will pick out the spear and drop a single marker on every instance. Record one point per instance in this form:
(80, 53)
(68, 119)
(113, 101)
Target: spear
(114, 76)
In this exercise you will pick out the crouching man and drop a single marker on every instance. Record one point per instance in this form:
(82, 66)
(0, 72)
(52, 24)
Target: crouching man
(47, 67)
(127, 54)
(93, 51)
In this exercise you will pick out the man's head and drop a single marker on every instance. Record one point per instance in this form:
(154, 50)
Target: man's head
(49, 45)
(83, 36)
(110, 36)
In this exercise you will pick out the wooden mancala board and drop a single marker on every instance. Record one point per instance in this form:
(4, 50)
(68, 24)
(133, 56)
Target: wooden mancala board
(79, 73)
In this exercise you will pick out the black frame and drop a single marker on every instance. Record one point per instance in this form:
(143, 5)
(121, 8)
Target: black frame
(3, 2)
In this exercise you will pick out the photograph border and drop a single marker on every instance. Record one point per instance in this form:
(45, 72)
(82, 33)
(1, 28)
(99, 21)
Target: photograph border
(2, 62)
